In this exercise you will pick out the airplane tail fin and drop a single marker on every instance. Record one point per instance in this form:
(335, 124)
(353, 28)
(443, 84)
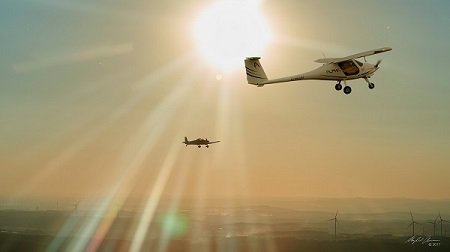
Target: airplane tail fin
(255, 72)
(185, 140)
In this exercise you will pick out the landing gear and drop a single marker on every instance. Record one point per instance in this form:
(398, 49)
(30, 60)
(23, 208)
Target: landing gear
(199, 146)
(371, 85)
(347, 90)
(207, 146)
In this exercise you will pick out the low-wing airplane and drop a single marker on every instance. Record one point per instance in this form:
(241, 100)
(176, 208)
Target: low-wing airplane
(337, 69)
(199, 142)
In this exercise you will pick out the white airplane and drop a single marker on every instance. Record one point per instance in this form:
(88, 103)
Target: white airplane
(199, 142)
(337, 69)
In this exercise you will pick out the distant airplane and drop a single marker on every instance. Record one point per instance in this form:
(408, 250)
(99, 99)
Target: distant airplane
(199, 142)
(337, 69)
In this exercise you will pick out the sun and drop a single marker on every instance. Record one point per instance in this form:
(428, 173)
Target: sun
(228, 31)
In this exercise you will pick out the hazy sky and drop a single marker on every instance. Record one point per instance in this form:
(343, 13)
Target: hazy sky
(97, 96)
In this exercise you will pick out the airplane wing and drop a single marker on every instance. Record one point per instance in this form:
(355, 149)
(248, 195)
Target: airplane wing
(328, 60)
(354, 56)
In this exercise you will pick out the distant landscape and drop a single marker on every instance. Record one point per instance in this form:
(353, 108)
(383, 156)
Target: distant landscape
(243, 225)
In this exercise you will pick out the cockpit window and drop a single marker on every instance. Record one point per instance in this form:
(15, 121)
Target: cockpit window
(359, 63)
(348, 67)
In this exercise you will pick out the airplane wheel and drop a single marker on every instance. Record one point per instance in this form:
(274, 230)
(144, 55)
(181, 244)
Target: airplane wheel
(347, 90)
(371, 85)
(338, 86)
(199, 146)
(207, 146)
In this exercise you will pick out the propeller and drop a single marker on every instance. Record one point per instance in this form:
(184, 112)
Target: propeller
(378, 63)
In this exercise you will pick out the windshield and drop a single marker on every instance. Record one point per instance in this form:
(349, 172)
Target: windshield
(348, 67)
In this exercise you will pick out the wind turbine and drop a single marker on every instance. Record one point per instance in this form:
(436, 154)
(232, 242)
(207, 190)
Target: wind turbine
(75, 206)
(413, 223)
(434, 225)
(335, 221)
(442, 220)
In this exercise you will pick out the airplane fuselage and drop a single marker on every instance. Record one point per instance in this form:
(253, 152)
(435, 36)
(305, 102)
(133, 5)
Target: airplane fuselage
(332, 71)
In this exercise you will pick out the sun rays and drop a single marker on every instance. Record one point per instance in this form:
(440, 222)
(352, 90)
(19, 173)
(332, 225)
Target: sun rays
(144, 156)
(93, 228)
(94, 53)
(97, 97)
(96, 225)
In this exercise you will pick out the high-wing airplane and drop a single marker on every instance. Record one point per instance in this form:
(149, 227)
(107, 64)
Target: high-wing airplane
(337, 69)
(199, 142)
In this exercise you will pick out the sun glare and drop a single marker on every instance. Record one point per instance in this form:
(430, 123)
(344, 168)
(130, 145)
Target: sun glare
(228, 31)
